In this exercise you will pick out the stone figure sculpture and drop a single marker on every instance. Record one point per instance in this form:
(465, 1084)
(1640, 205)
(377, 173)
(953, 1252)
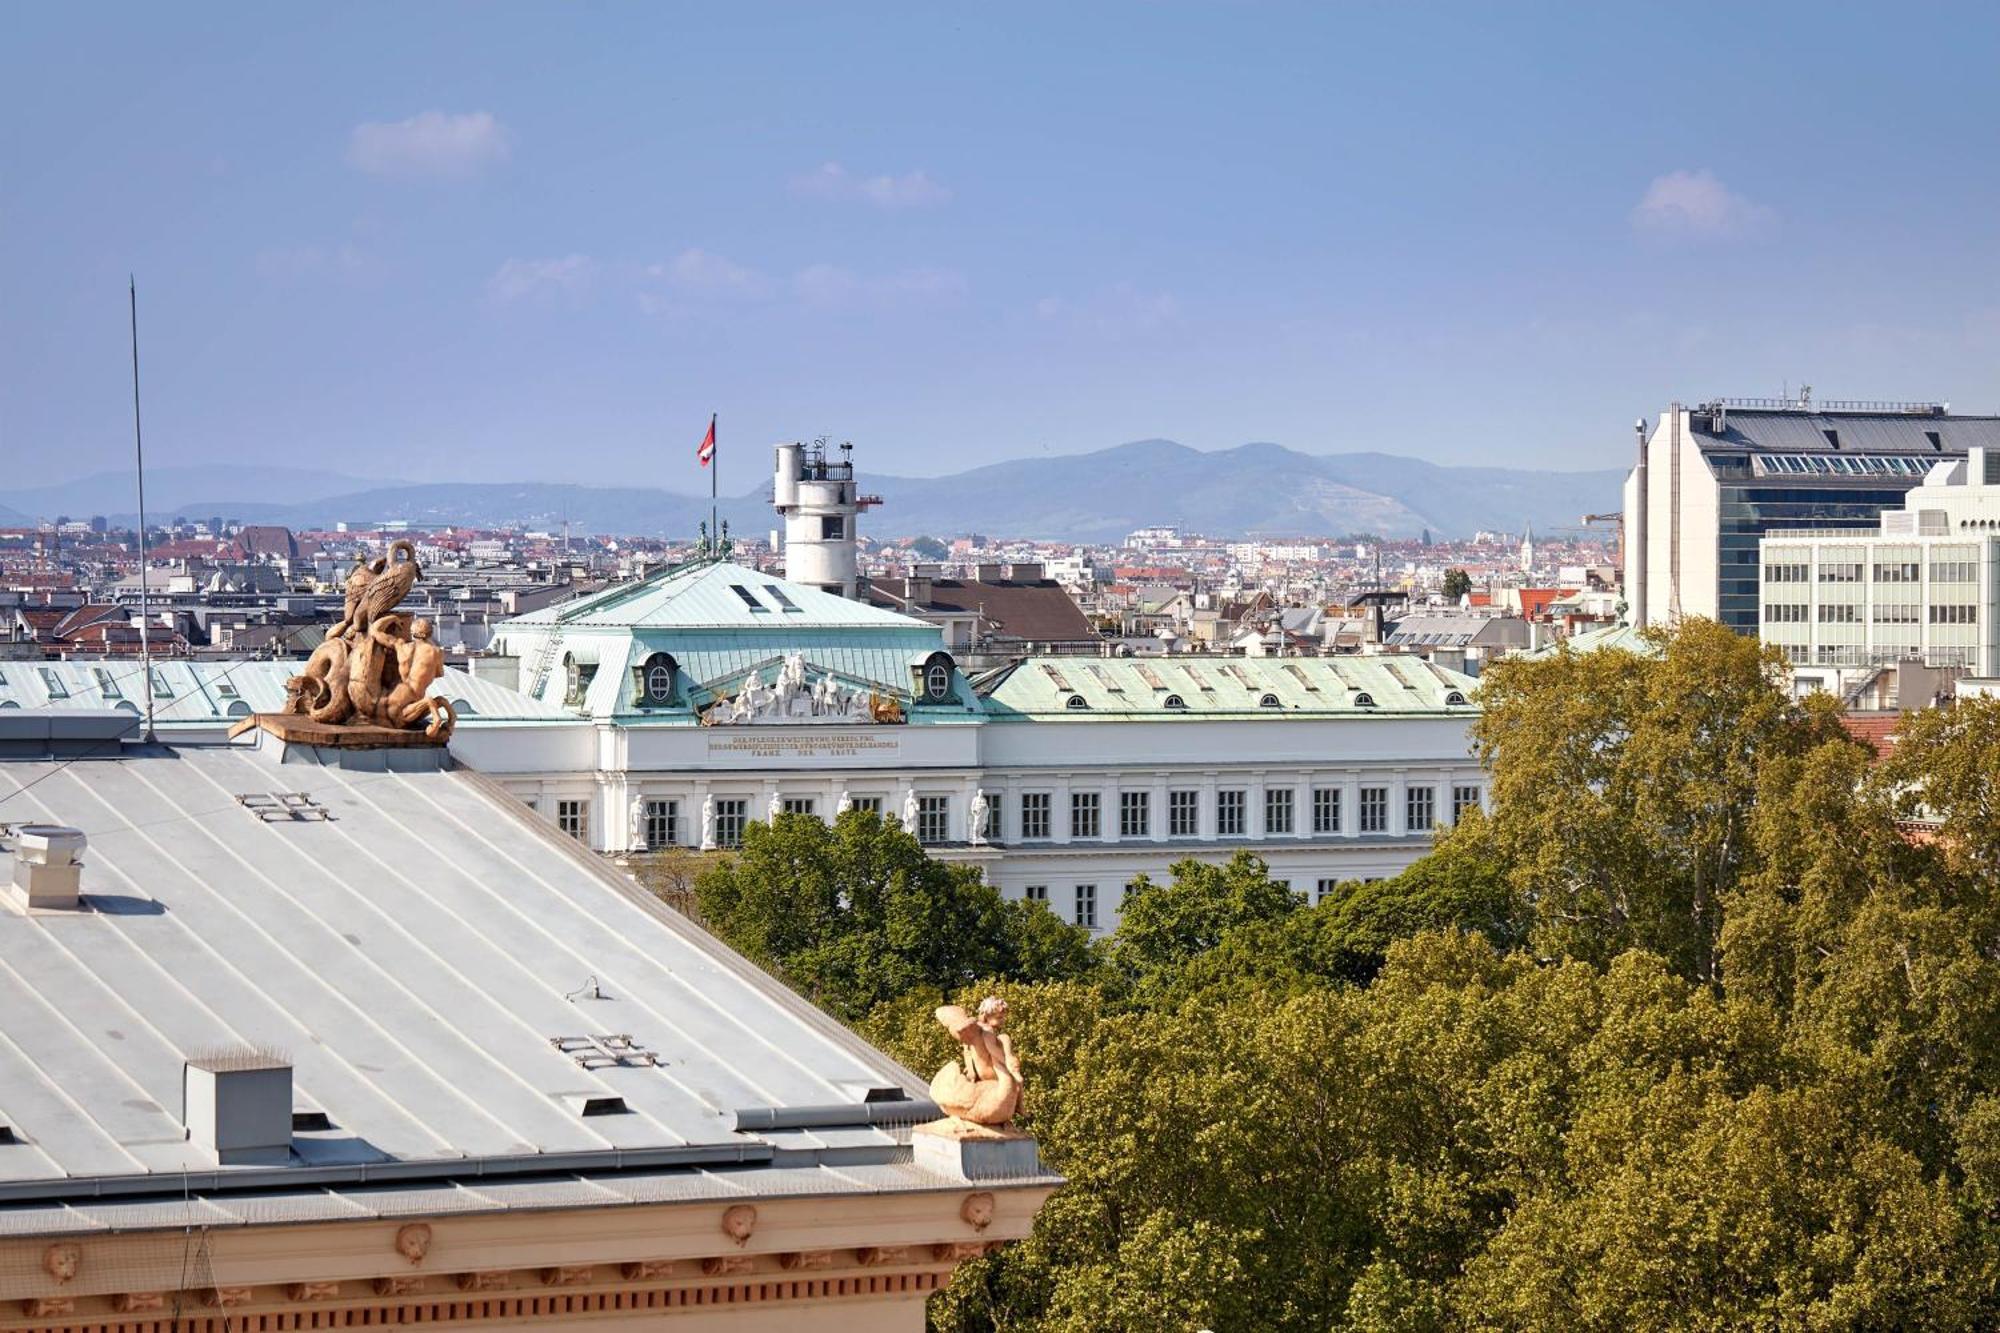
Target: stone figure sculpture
(774, 809)
(977, 814)
(636, 822)
(843, 805)
(982, 1090)
(910, 811)
(376, 668)
(708, 823)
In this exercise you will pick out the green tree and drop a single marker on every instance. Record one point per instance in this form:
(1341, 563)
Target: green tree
(854, 913)
(1457, 583)
(1623, 785)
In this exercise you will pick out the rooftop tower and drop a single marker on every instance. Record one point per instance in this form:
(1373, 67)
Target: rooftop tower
(817, 500)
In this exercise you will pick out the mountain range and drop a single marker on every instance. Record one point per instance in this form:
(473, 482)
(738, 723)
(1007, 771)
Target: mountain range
(1262, 490)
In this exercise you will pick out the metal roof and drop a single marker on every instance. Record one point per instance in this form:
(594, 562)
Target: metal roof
(705, 597)
(1041, 688)
(1858, 432)
(210, 692)
(413, 956)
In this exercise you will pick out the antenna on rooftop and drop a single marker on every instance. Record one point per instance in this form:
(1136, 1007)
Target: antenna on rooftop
(139, 454)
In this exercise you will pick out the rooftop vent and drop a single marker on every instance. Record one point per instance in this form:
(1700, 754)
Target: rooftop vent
(48, 867)
(238, 1105)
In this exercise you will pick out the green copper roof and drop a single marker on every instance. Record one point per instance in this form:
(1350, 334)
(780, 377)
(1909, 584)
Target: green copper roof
(712, 596)
(1620, 638)
(1155, 687)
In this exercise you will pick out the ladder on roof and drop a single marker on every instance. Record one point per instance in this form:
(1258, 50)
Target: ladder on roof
(545, 658)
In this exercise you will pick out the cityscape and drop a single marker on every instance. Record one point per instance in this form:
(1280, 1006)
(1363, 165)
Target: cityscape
(511, 822)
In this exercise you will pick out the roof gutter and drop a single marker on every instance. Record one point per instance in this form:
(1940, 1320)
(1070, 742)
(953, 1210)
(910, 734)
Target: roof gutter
(431, 1171)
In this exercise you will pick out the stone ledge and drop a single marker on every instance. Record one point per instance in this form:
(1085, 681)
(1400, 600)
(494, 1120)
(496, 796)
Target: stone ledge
(996, 1155)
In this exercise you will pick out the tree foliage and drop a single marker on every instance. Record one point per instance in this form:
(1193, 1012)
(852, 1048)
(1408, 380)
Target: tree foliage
(1457, 583)
(1699, 1028)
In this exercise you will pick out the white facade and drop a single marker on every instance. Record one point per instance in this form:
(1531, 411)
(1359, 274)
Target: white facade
(1926, 585)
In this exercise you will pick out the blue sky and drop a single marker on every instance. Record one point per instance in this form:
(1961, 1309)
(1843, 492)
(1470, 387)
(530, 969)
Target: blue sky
(544, 242)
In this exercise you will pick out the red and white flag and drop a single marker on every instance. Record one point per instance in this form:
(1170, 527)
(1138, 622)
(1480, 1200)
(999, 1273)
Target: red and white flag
(706, 453)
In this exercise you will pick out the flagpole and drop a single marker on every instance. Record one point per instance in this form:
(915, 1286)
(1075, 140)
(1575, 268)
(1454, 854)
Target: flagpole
(714, 472)
(139, 456)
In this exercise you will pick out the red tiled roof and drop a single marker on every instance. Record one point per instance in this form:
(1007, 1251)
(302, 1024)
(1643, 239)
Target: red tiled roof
(1875, 730)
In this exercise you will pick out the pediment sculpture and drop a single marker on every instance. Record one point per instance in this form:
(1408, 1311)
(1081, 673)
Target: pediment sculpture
(793, 698)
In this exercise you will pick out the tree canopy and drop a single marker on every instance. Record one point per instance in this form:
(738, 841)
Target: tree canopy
(1698, 1028)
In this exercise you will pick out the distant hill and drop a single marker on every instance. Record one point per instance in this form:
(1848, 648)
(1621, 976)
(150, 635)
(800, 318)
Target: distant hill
(1251, 490)
(172, 490)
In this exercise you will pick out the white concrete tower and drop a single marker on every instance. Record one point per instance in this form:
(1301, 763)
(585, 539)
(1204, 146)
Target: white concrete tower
(818, 503)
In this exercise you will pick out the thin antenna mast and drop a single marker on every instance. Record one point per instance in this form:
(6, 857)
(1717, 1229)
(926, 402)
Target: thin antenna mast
(139, 454)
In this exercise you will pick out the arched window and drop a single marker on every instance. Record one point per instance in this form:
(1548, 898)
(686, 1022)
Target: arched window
(239, 709)
(1454, 700)
(934, 679)
(1076, 701)
(1175, 701)
(655, 686)
(463, 707)
(1364, 700)
(1268, 701)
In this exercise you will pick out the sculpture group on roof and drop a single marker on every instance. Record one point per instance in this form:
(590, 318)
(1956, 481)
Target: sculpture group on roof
(792, 698)
(376, 666)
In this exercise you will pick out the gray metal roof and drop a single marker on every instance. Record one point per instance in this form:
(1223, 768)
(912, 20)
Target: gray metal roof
(413, 956)
(1859, 432)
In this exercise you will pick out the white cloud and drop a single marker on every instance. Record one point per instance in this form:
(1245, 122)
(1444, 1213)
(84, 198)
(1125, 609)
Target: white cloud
(1695, 205)
(569, 277)
(697, 270)
(831, 285)
(833, 181)
(431, 145)
(1113, 311)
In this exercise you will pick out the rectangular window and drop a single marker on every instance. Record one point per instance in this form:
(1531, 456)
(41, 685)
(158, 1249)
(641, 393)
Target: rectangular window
(933, 818)
(872, 804)
(573, 818)
(1135, 814)
(1034, 815)
(1183, 814)
(1086, 905)
(1899, 571)
(1784, 573)
(663, 823)
(1838, 613)
(1894, 613)
(1374, 809)
(832, 528)
(1954, 615)
(799, 805)
(107, 684)
(1784, 613)
(730, 816)
(161, 689)
(1954, 571)
(1464, 800)
(53, 683)
(1841, 572)
(1320, 892)
(1036, 893)
(1084, 810)
(1229, 814)
(1277, 810)
(1326, 809)
(1419, 808)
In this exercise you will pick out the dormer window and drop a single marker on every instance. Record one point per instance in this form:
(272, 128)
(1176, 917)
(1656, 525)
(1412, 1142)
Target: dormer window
(1076, 702)
(934, 679)
(656, 681)
(1269, 701)
(1364, 700)
(1174, 701)
(1454, 700)
(749, 598)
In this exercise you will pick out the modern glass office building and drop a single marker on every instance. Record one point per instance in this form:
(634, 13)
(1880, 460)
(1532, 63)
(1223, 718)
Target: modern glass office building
(1713, 479)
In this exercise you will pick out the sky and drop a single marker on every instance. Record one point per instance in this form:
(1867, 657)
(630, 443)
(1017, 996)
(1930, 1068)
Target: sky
(544, 242)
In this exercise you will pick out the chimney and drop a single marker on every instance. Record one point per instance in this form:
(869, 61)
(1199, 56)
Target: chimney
(992, 573)
(48, 867)
(238, 1105)
(1028, 573)
(917, 588)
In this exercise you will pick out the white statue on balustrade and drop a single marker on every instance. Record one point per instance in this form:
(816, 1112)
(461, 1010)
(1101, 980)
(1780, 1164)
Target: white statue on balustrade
(708, 823)
(976, 816)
